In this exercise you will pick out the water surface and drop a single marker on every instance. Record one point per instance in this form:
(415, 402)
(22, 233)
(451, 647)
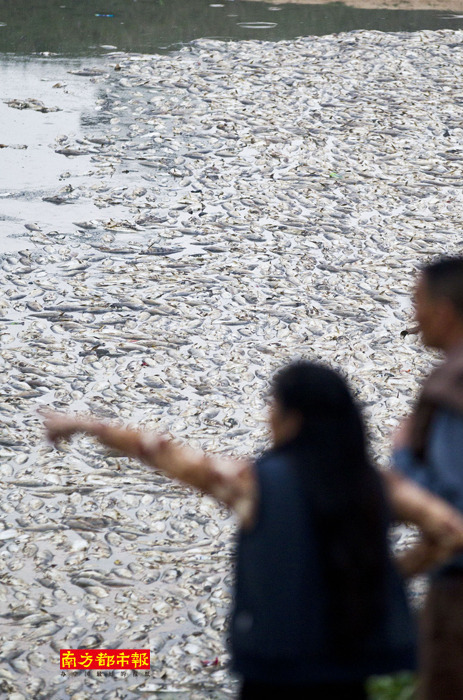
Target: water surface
(83, 28)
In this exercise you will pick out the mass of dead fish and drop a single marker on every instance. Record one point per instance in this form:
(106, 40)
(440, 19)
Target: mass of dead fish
(257, 202)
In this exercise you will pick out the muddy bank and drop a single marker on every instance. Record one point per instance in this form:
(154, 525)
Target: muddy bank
(444, 5)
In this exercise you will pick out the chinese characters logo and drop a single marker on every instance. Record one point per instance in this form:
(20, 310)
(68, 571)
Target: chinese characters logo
(104, 659)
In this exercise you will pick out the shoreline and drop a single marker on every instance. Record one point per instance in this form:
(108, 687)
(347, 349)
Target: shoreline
(412, 5)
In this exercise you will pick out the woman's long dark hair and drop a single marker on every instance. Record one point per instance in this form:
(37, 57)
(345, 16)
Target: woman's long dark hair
(344, 496)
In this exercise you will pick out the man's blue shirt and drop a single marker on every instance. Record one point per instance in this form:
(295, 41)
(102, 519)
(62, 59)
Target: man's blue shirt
(442, 470)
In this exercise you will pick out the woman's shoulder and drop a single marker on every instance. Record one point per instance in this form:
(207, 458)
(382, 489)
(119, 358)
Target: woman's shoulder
(275, 455)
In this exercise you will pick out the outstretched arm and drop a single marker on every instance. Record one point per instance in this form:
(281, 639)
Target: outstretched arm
(228, 480)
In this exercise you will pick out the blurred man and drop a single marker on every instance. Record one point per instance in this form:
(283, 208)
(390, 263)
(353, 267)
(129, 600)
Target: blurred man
(428, 448)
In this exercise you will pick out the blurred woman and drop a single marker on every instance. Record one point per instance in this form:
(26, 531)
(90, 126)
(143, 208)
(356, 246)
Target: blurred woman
(318, 604)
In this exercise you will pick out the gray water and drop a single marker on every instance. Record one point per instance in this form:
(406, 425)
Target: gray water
(83, 28)
(29, 167)
(41, 42)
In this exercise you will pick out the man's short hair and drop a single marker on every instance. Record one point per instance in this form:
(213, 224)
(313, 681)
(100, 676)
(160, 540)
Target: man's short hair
(444, 278)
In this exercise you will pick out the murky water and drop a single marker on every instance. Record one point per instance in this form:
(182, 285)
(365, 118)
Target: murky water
(30, 168)
(41, 42)
(149, 26)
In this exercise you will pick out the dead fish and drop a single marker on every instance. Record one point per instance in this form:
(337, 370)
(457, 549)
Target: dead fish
(87, 72)
(47, 582)
(56, 199)
(410, 331)
(38, 619)
(88, 524)
(44, 558)
(43, 528)
(31, 103)
(73, 152)
(49, 629)
(97, 591)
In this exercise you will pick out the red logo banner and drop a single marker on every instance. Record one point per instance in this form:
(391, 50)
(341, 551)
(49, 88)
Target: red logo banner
(104, 659)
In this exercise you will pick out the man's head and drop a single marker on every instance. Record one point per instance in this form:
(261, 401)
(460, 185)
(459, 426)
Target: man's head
(439, 303)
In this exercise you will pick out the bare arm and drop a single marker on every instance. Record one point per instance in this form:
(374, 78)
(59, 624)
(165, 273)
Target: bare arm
(228, 480)
(440, 523)
(422, 557)
(414, 504)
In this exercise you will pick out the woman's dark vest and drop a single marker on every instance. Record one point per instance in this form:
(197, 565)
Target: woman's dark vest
(279, 619)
